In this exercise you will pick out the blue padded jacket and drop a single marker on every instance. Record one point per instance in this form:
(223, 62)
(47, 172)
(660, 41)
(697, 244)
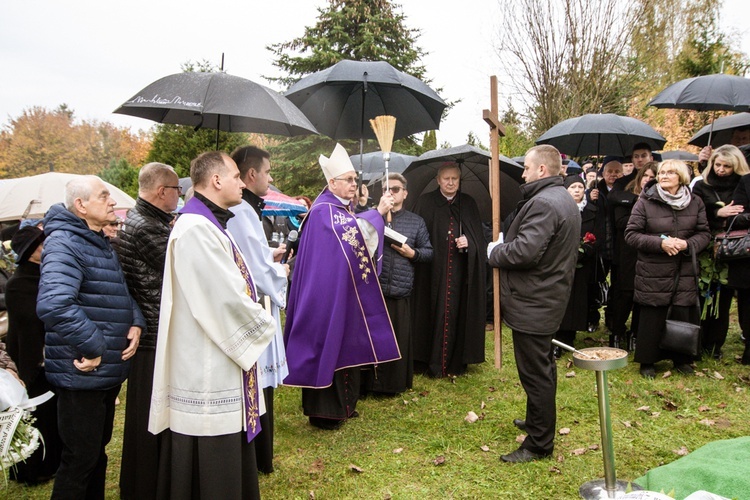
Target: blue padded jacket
(84, 303)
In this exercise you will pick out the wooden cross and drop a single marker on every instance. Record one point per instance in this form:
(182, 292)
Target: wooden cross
(496, 131)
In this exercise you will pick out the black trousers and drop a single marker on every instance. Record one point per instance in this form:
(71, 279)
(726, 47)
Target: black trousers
(538, 374)
(85, 420)
(714, 329)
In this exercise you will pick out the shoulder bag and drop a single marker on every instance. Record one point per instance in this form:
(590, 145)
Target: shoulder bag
(732, 245)
(681, 336)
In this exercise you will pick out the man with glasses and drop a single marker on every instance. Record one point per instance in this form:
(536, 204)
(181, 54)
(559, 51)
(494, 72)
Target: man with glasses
(451, 294)
(397, 281)
(336, 319)
(142, 247)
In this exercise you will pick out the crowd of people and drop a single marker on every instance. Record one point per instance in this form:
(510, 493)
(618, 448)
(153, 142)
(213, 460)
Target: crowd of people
(188, 308)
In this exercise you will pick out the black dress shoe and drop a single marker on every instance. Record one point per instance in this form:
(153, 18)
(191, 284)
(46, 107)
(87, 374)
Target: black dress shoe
(521, 424)
(647, 370)
(328, 424)
(522, 455)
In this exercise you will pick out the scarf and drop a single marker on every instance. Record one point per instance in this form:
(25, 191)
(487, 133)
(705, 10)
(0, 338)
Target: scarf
(582, 205)
(677, 201)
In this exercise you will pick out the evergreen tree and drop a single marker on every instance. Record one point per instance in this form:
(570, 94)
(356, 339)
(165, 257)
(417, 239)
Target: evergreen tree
(372, 30)
(359, 30)
(121, 174)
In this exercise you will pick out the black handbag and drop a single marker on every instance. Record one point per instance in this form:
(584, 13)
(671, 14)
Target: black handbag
(682, 336)
(732, 245)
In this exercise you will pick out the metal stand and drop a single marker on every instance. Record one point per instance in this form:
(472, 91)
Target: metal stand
(593, 490)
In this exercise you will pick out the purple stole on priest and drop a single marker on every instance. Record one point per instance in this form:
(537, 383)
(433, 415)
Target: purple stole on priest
(249, 378)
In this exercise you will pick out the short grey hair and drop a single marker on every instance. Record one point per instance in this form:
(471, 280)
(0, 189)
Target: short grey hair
(80, 187)
(153, 175)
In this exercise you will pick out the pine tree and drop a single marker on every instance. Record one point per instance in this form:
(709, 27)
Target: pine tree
(371, 30)
(359, 30)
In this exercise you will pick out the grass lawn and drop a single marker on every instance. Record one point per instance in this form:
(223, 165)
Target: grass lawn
(418, 445)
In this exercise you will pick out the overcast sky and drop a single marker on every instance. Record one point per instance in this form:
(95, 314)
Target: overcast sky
(93, 55)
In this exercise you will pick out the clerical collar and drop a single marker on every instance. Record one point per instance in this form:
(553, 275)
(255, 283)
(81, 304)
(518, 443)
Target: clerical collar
(344, 201)
(255, 201)
(222, 216)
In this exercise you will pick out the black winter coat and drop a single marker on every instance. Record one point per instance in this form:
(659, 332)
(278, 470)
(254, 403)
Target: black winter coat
(576, 313)
(624, 256)
(142, 248)
(25, 330)
(655, 271)
(538, 257)
(397, 276)
(739, 270)
(715, 194)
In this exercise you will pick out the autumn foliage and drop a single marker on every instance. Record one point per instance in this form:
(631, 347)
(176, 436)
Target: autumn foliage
(40, 140)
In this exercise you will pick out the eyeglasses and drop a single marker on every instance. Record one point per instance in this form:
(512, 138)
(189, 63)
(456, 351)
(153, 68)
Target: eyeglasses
(395, 189)
(668, 172)
(348, 180)
(115, 224)
(178, 188)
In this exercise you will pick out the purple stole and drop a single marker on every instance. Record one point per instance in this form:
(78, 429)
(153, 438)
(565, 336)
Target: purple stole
(249, 378)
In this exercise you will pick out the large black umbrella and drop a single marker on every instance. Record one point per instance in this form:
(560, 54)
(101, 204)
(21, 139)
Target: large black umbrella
(723, 128)
(718, 92)
(341, 99)
(601, 134)
(706, 93)
(373, 165)
(217, 101)
(475, 168)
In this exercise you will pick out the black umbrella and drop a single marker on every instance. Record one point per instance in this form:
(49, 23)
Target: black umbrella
(217, 101)
(601, 134)
(718, 92)
(706, 93)
(341, 99)
(373, 165)
(723, 128)
(475, 168)
(678, 155)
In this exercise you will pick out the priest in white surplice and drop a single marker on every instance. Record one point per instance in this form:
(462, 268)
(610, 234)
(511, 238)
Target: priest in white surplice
(269, 275)
(211, 334)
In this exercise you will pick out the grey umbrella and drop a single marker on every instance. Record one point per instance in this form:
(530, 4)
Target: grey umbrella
(373, 166)
(601, 134)
(475, 170)
(217, 101)
(723, 128)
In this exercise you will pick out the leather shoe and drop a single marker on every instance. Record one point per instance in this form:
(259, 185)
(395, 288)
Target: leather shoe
(684, 368)
(522, 455)
(647, 371)
(521, 424)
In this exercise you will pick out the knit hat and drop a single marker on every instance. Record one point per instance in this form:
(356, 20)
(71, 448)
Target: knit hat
(572, 179)
(25, 241)
(339, 163)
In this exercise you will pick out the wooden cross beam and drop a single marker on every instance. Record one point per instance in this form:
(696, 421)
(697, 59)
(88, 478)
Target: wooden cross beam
(496, 131)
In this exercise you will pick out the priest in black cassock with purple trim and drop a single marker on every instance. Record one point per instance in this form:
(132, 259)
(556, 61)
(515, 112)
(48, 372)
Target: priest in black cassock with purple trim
(336, 319)
(450, 292)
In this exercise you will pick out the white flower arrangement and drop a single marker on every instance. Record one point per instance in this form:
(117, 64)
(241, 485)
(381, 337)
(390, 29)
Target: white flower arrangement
(18, 437)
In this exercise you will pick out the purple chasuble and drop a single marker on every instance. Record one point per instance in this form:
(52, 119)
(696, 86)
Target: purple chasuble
(249, 378)
(336, 315)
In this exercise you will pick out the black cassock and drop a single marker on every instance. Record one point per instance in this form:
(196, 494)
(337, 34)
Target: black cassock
(450, 292)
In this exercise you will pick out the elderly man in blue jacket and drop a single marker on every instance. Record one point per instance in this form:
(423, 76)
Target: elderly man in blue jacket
(92, 325)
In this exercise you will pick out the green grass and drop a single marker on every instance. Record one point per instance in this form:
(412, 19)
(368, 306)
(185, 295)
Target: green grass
(428, 422)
